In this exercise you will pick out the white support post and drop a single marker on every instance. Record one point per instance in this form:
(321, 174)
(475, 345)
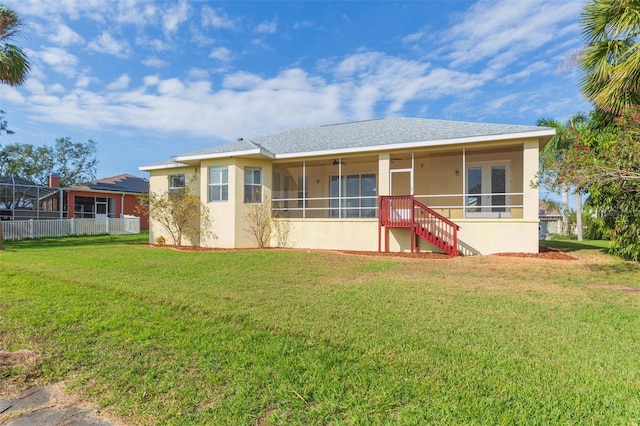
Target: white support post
(73, 226)
(107, 225)
(32, 230)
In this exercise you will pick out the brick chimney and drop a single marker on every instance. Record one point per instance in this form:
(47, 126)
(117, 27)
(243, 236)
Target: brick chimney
(54, 180)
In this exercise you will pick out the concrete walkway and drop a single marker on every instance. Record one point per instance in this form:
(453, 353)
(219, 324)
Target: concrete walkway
(45, 406)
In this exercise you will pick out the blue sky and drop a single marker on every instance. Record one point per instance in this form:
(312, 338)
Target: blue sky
(148, 80)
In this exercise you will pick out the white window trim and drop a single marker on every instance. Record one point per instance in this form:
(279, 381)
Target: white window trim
(342, 197)
(218, 169)
(486, 183)
(253, 184)
(174, 189)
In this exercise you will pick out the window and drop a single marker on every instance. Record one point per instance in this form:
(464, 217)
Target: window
(252, 185)
(358, 195)
(218, 184)
(176, 184)
(487, 188)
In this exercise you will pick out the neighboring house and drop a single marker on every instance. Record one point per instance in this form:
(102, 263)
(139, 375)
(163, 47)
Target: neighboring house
(22, 199)
(550, 220)
(395, 184)
(113, 197)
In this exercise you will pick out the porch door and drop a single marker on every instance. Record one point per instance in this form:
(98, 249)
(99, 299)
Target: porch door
(102, 211)
(401, 182)
(487, 188)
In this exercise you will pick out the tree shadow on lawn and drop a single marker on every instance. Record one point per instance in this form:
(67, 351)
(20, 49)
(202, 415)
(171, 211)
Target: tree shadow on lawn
(569, 246)
(77, 241)
(628, 267)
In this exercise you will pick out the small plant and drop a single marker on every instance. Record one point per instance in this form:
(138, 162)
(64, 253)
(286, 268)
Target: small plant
(258, 220)
(262, 223)
(281, 226)
(161, 241)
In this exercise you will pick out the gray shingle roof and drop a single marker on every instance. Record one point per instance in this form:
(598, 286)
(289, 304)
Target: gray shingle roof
(362, 134)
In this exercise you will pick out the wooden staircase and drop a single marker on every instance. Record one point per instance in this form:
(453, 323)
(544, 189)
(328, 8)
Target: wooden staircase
(404, 211)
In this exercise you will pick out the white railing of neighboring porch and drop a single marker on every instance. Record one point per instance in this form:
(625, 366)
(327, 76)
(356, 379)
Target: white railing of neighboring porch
(32, 229)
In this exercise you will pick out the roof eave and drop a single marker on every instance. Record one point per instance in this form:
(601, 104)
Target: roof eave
(111, 191)
(259, 152)
(163, 166)
(543, 135)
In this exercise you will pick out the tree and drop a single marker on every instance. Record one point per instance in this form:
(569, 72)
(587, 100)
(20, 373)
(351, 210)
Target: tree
(610, 59)
(605, 162)
(550, 154)
(180, 214)
(4, 126)
(14, 65)
(75, 162)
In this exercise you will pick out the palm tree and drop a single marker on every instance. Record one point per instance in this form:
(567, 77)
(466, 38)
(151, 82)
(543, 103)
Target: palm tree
(611, 58)
(14, 65)
(551, 152)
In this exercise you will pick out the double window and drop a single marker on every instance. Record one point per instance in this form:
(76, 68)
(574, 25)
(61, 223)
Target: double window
(252, 185)
(218, 184)
(177, 184)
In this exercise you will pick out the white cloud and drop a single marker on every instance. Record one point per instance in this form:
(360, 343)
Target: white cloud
(109, 45)
(251, 105)
(267, 27)
(539, 67)
(498, 103)
(60, 60)
(381, 79)
(241, 81)
(120, 84)
(153, 43)
(56, 88)
(83, 81)
(154, 62)
(151, 80)
(303, 24)
(65, 36)
(217, 19)
(138, 13)
(493, 27)
(221, 54)
(11, 94)
(174, 16)
(414, 37)
(198, 74)
(170, 87)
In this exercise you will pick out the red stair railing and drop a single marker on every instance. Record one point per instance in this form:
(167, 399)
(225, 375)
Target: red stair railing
(404, 211)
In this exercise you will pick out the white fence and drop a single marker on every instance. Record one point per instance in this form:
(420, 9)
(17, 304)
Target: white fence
(25, 229)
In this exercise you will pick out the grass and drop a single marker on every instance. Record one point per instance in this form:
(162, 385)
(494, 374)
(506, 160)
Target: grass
(158, 336)
(569, 245)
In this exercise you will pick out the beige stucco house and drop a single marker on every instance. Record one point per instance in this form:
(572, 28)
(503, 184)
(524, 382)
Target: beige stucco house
(394, 184)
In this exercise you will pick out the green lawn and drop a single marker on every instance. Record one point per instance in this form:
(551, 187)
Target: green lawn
(158, 336)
